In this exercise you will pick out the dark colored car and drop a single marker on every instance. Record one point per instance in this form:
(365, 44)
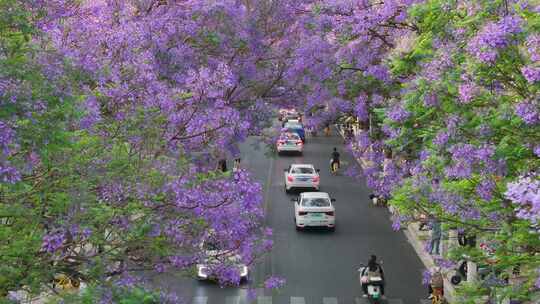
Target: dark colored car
(296, 128)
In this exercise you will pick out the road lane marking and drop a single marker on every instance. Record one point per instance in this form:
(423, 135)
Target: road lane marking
(329, 301)
(264, 300)
(200, 300)
(268, 185)
(298, 300)
(235, 300)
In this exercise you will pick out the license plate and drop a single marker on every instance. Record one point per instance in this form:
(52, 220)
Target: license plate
(304, 179)
(291, 143)
(316, 214)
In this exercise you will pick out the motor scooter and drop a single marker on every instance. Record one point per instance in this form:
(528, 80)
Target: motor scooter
(373, 283)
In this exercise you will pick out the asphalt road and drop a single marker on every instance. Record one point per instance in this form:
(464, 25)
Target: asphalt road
(320, 266)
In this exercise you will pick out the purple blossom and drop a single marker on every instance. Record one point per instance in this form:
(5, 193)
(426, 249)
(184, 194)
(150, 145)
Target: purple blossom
(525, 194)
(363, 140)
(377, 99)
(7, 135)
(532, 74)
(9, 174)
(378, 71)
(494, 36)
(426, 277)
(441, 138)
(452, 122)
(396, 223)
(533, 47)
(485, 189)
(127, 281)
(424, 154)
(361, 108)
(444, 263)
(160, 268)
(51, 242)
(467, 92)
(536, 150)
(93, 113)
(274, 283)
(431, 100)
(485, 153)
(398, 114)
(484, 130)
(528, 112)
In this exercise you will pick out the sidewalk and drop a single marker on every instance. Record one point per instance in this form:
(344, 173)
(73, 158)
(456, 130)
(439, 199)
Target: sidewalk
(416, 238)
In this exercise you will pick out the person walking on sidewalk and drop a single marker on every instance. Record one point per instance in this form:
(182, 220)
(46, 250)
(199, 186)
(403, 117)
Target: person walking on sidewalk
(436, 235)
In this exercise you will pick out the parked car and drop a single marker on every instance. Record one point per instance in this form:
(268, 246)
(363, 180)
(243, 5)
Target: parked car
(297, 128)
(214, 255)
(301, 176)
(289, 142)
(313, 209)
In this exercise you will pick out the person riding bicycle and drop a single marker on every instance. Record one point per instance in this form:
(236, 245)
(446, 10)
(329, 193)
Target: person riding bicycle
(335, 158)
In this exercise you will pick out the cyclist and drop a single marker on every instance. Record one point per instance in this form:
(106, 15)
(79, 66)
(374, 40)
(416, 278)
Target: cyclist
(334, 159)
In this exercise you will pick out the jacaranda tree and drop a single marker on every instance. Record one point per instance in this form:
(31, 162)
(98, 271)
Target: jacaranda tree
(447, 95)
(114, 115)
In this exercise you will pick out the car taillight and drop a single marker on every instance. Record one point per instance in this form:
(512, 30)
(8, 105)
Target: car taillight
(299, 143)
(302, 213)
(290, 178)
(330, 213)
(280, 142)
(316, 179)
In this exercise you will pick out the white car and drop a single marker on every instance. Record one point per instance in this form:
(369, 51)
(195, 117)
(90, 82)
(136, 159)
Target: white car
(313, 209)
(214, 255)
(290, 142)
(301, 176)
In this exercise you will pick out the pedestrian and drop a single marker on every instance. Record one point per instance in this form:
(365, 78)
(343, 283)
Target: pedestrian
(436, 283)
(236, 165)
(423, 222)
(222, 165)
(436, 234)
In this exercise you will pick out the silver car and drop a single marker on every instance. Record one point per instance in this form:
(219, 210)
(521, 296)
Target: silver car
(216, 255)
(301, 176)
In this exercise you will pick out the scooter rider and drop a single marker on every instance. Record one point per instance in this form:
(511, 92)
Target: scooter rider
(374, 267)
(335, 158)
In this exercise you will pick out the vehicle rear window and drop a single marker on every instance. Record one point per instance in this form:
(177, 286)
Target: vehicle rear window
(293, 126)
(290, 137)
(303, 170)
(315, 202)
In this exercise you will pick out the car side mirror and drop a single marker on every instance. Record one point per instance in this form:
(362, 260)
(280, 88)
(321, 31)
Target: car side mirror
(332, 199)
(294, 200)
(285, 170)
(318, 170)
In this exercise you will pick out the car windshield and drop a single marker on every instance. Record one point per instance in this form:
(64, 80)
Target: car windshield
(209, 245)
(302, 170)
(289, 137)
(315, 202)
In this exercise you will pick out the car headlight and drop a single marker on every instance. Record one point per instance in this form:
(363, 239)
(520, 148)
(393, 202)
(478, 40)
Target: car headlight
(202, 271)
(243, 271)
